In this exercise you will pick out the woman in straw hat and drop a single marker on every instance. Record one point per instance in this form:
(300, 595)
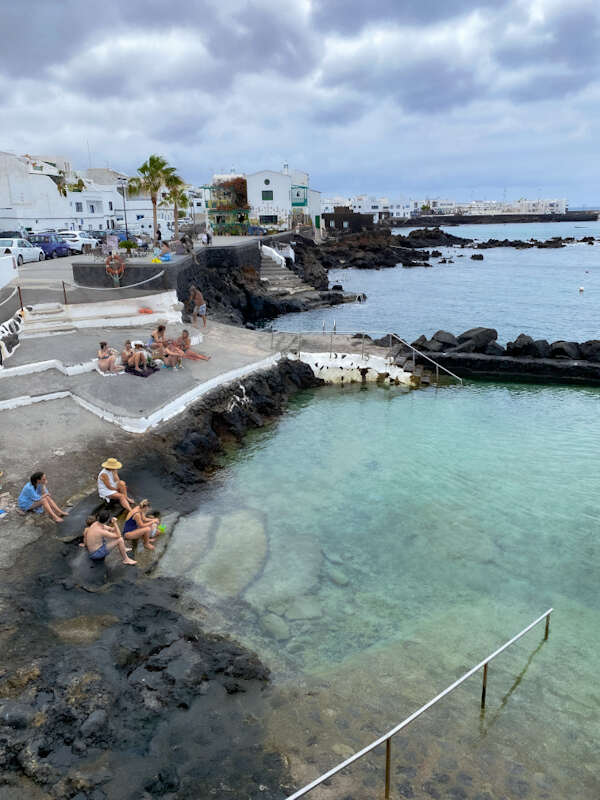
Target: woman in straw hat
(110, 486)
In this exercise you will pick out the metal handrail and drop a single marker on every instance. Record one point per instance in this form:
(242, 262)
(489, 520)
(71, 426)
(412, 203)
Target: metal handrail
(422, 355)
(387, 737)
(335, 332)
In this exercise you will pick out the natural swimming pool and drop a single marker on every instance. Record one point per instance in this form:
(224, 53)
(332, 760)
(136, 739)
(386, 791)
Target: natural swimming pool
(373, 545)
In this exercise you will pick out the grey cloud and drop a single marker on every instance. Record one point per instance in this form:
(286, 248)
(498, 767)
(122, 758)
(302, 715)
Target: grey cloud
(338, 112)
(251, 39)
(547, 87)
(350, 16)
(571, 37)
(426, 85)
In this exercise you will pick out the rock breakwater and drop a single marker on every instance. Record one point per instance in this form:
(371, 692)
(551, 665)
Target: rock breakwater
(477, 352)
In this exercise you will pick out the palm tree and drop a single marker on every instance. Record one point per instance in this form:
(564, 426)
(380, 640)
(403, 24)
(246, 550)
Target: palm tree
(153, 174)
(61, 182)
(177, 197)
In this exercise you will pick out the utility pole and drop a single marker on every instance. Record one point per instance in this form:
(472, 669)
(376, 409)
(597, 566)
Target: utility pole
(123, 183)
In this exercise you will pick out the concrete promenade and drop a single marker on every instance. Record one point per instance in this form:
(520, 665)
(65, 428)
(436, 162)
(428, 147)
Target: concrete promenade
(42, 281)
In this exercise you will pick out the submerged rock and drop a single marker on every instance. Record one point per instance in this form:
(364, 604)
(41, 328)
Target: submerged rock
(237, 555)
(304, 608)
(275, 627)
(336, 576)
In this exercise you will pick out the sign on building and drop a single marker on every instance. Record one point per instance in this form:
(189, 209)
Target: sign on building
(299, 196)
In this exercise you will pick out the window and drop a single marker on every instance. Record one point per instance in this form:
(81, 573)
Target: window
(139, 216)
(267, 181)
(267, 194)
(78, 207)
(331, 223)
(268, 219)
(345, 223)
(375, 207)
(110, 205)
(92, 209)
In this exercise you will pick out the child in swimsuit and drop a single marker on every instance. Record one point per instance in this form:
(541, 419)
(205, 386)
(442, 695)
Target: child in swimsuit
(139, 526)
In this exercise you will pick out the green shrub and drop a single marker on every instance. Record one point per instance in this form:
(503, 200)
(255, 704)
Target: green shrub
(127, 245)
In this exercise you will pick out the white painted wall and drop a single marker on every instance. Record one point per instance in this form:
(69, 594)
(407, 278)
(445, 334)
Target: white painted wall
(8, 270)
(281, 205)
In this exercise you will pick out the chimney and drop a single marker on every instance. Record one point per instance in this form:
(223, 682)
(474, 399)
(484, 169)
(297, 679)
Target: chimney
(285, 168)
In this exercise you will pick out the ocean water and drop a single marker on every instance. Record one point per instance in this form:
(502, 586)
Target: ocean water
(515, 291)
(373, 545)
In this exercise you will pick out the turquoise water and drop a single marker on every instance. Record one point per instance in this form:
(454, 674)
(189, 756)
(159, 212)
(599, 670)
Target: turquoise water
(531, 291)
(373, 545)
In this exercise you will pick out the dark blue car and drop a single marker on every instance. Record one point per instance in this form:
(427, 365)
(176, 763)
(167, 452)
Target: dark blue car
(52, 245)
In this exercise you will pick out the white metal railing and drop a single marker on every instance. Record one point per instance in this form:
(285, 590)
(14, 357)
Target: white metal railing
(298, 335)
(387, 737)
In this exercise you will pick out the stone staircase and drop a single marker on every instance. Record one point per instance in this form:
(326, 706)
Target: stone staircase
(422, 375)
(281, 281)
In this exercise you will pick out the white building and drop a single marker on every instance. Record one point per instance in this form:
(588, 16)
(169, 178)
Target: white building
(282, 199)
(40, 195)
(378, 207)
(44, 193)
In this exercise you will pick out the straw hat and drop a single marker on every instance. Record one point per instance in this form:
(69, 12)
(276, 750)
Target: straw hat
(112, 463)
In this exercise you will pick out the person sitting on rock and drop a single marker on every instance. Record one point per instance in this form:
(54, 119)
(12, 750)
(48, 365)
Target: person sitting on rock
(36, 497)
(102, 537)
(185, 345)
(138, 525)
(88, 523)
(110, 486)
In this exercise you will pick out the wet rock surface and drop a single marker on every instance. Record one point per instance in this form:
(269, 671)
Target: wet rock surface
(105, 719)
(115, 692)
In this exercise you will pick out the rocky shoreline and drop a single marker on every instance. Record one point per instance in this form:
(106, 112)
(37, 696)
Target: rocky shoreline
(380, 249)
(476, 352)
(118, 692)
(492, 219)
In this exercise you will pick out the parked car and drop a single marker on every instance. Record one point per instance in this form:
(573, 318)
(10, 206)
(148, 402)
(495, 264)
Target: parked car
(21, 249)
(256, 230)
(52, 245)
(78, 241)
(11, 235)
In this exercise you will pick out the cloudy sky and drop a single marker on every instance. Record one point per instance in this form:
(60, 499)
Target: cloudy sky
(456, 98)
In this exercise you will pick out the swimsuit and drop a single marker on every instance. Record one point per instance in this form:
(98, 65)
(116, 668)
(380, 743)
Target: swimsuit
(100, 553)
(130, 525)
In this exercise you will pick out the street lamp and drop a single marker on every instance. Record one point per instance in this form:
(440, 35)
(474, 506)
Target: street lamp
(123, 184)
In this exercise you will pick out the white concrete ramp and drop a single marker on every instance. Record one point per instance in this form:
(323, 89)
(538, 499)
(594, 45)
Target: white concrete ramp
(45, 318)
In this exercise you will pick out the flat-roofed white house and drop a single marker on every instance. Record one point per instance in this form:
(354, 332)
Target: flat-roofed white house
(281, 199)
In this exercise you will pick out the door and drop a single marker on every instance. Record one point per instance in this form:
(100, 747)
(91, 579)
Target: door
(26, 250)
(317, 221)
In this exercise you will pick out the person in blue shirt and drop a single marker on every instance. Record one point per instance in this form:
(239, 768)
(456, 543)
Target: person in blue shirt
(36, 497)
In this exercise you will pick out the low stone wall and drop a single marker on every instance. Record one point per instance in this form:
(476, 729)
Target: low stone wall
(178, 273)
(86, 274)
(223, 260)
